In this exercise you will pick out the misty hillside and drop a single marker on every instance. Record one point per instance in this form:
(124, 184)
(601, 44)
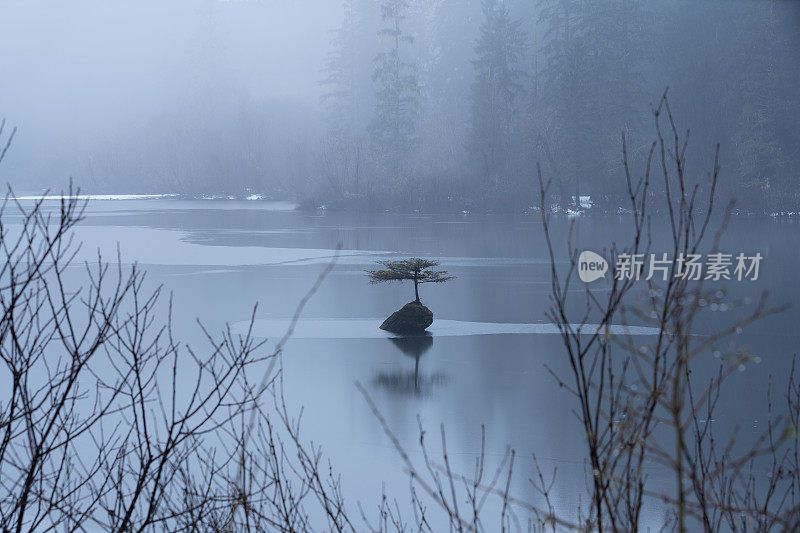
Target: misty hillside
(397, 104)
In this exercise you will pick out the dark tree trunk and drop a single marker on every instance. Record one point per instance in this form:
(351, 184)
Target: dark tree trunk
(416, 290)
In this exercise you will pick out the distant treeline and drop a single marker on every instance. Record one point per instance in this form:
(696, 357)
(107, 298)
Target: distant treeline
(450, 104)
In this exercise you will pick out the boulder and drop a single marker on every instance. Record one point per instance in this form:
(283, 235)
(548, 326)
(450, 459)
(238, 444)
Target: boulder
(411, 318)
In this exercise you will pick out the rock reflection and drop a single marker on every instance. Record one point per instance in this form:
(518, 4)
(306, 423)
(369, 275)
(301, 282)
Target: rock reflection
(411, 383)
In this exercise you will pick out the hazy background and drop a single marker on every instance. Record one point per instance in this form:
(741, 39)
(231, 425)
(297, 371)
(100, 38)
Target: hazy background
(328, 104)
(97, 87)
(279, 98)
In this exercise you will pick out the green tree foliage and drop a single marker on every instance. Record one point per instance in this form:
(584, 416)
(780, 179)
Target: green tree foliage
(394, 125)
(341, 153)
(733, 76)
(413, 269)
(554, 82)
(342, 71)
(593, 84)
(500, 50)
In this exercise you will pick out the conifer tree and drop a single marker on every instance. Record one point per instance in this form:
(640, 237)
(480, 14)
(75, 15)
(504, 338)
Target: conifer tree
(500, 50)
(343, 80)
(393, 128)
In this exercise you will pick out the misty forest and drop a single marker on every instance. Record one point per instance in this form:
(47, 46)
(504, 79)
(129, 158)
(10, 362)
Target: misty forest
(401, 105)
(399, 265)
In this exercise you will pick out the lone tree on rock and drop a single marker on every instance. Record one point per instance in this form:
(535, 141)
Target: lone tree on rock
(414, 269)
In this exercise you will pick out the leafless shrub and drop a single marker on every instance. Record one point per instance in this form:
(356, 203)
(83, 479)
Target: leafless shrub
(104, 408)
(639, 402)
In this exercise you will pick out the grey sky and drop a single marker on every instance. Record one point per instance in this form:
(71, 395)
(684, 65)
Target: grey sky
(85, 67)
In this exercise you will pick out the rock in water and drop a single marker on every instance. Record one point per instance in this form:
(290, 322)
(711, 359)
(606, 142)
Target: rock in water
(412, 318)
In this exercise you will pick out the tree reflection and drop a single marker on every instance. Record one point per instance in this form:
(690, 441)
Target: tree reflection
(411, 383)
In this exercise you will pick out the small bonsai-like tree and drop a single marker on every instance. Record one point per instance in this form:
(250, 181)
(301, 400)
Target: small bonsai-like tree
(414, 269)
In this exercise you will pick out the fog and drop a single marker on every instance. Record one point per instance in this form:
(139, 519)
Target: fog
(264, 166)
(284, 99)
(118, 65)
(88, 80)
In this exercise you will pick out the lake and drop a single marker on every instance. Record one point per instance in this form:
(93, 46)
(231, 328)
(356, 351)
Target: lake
(483, 363)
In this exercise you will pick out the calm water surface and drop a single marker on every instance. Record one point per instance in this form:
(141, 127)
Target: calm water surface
(484, 362)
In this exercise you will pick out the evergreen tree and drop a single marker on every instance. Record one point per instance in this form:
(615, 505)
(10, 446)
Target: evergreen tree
(344, 78)
(342, 71)
(413, 269)
(500, 50)
(591, 81)
(746, 102)
(394, 126)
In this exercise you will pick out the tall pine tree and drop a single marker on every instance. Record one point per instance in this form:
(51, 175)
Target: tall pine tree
(344, 72)
(496, 89)
(344, 76)
(592, 85)
(394, 126)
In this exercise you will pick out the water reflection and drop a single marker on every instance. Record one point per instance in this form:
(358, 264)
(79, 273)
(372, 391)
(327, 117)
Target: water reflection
(490, 334)
(411, 383)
